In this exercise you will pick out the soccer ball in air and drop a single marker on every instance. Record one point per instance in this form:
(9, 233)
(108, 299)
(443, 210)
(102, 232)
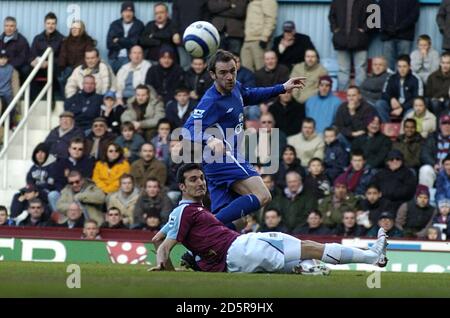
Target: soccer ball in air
(201, 39)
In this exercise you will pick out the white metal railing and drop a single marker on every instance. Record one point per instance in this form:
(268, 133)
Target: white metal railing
(27, 110)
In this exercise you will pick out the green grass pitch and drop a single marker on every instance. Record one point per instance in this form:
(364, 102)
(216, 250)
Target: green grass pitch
(21, 279)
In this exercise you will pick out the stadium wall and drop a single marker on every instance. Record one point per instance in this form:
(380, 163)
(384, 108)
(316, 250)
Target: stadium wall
(310, 17)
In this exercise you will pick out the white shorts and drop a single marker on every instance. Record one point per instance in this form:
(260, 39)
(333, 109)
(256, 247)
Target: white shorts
(262, 252)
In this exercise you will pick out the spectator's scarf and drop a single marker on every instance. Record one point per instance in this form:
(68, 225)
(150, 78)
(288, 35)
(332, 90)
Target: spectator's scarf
(443, 147)
(290, 195)
(352, 178)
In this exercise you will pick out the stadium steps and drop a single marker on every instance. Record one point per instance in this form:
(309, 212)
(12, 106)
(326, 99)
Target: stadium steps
(17, 167)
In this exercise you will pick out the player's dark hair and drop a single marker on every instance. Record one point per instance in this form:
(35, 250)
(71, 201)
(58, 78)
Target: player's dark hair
(220, 56)
(185, 168)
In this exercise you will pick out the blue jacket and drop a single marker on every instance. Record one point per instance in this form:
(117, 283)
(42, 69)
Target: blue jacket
(58, 145)
(116, 31)
(86, 107)
(17, 50)
(246, 77)
(442, 186)
(336, 159)
(413, 87)
(322, 110)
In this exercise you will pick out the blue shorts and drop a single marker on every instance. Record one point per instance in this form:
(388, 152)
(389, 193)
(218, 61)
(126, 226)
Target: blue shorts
(221, 176)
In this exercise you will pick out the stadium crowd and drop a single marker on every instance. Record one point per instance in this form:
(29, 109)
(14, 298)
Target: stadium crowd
(374, 154)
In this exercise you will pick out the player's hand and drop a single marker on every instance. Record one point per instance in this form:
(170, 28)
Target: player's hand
(295, 82)
(157, 268)
(216, 145)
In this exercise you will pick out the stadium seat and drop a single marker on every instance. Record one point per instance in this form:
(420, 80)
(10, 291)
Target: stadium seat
(342, 95)
(392, 130)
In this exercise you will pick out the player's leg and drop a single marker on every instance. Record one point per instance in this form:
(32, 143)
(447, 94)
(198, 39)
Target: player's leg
(254, 195)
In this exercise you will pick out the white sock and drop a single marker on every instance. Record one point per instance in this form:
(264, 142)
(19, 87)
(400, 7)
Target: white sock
(338, 254)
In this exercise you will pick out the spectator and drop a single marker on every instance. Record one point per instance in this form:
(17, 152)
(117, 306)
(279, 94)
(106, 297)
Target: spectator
(260, 22)
(272, 72)
(425, 59)
(9, 82)
(443, 20)
(152, 223)
(308, 144)
(50, 37)
(441, 221)
(229, 18)
(16, 47)
(375, 145)
(244, 75)
(36, 215)
(288, 114)
(335, 204)
(290, 47)
(75, 218)
(399, 92)
(289, 162)
(173, 192)
(183, 14)
(275, 191)
(295, 203)
(4, 221)
(372, 86)
(144, 111)
(93, 66)
(322, 107)
(372, 206)
(358, 175)
(414, 215)
(85, 105)
(434, 234)
(107, 172)
(179, 110)
(410, 144)
(313, 71)
(397, 30)
(131, 74)
(85, 192)
(111, 110)
(443, 181)
(73, 50)
(397, 182)
(22, 200)
(125, 198)
(158, 33)
(123, 33)
(434, 151)
(273, 222)
(153, 200)
(351, 117)
(425, 120)
(263, 153)
(114, 220)
(39, 173)
(59, 137)
(161, 141)
(314, 225)
(166, 76)
(349, 25)
(197, 79)
(148, 166)
(91, 230)
(251, 224)
(316, 180)
(438, 86)
(98, 140)
(130, 141)
(76, 160)
(386, 221)
(336, 158)
(348, 227)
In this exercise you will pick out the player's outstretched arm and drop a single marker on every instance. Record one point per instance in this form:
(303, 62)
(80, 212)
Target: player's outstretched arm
(295, 82)
(163, 256)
